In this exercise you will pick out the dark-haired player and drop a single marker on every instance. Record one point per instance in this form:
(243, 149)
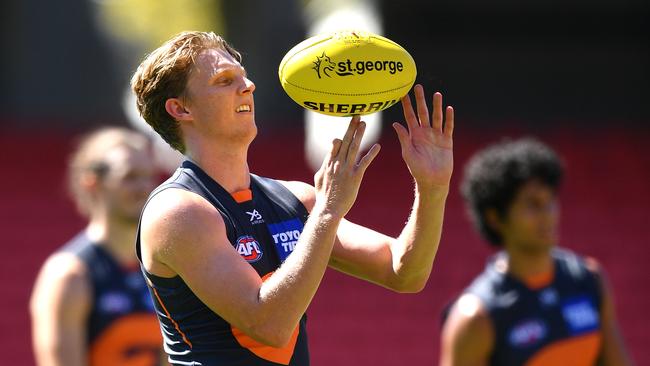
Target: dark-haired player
(534, 304)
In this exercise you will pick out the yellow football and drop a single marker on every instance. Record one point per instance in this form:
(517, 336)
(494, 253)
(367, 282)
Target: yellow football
(347, 73)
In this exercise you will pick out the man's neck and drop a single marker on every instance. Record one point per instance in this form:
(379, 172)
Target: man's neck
(228, 167)
(117, 238)
(529, 265)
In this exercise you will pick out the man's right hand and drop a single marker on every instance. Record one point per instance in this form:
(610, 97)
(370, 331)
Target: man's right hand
(338, 179)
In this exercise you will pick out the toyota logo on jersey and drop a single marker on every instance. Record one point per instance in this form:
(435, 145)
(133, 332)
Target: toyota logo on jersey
(285, 236)
(249, 249)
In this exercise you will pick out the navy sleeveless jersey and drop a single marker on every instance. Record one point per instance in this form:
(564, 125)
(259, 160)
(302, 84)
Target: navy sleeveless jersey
(264, 231)
(543, 326)
(122, 328)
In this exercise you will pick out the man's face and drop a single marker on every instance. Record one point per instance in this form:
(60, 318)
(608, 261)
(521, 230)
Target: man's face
(129, 180)
(219, 97)
(531, 222)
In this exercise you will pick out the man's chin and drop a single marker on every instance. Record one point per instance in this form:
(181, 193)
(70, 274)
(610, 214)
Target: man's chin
(539, 248)
(129, 218)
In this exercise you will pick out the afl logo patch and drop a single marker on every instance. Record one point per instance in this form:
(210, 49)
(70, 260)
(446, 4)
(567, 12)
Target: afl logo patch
(527, 333)
(249, 249)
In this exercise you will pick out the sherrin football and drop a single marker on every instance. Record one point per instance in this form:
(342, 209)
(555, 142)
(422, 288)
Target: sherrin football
(347, 73)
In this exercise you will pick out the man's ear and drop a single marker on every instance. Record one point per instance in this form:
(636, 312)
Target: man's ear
(493, 219)
(176, 108)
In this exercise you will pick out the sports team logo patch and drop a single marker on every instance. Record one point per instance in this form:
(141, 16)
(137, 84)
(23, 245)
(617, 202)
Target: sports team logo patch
(114, 302)
(255, 217)
(285, 235)
(580, 315)
(249, 249)
(527, 333)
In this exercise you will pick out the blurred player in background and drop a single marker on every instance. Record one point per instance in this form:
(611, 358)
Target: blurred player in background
(90, 304)
(234, 259)
(534, 304)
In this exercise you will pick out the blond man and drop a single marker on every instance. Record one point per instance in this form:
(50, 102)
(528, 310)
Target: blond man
(233, 259)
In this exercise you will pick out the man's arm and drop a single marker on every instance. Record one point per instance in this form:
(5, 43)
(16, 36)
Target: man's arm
(184, 234)
(613, 350)
(403, 263)
(59, 306)
(467, 335)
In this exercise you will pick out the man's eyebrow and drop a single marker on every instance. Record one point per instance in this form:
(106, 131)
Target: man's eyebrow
(242, 68)
(216, 73)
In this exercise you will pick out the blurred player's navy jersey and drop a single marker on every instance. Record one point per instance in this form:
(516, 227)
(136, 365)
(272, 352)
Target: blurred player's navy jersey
(263, 225)
(122, 329)
(546, 324)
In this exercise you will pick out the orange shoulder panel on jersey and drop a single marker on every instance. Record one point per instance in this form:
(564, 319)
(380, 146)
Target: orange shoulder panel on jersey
(577, 351)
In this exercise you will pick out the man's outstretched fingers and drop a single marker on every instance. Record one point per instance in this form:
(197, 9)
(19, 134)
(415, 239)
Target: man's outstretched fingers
(437, 111)
(365, 161)
(421, 105)
(353, 151)
(347, 138)
(449, 121)
(409, 115)
(331, 155)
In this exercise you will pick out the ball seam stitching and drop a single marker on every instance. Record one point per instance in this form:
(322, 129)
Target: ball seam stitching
(350, 94)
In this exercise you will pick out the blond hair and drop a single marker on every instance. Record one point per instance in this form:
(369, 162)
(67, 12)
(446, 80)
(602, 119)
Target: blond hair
(164, 73)
(89, 158)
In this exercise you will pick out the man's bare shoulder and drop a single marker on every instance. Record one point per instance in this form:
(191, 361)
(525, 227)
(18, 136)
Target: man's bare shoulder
(173, 221)
(470, 308)
(593, 265)
(177, 209)
(303, 191)
(468, 318)
(65, 264)
(467, 336)
(62, 281)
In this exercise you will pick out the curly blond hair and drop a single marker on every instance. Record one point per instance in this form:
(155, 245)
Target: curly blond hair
(164, 73)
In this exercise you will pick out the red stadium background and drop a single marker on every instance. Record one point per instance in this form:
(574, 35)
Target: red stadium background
(604, 214)
(573, 73)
